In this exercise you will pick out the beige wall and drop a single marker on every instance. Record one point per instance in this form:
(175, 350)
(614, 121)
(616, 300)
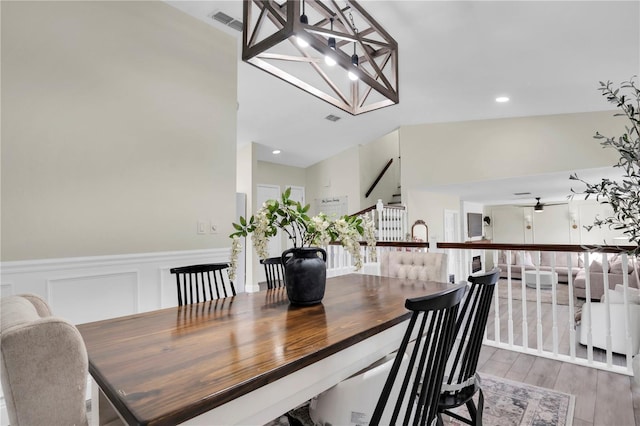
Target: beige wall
(430, 207)
(244, 174)
(335, 177)
(554, 225)
(373, 157)
(118, 129)
(492, 149)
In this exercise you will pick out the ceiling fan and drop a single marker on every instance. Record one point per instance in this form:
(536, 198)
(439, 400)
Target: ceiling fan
(539, 206)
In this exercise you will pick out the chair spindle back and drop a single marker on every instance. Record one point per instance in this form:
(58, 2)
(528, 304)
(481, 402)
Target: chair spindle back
(432, 324)
(199, 283)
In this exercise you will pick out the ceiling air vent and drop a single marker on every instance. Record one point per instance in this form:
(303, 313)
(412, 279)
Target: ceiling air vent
(236, 25)
(332, 117)
(517, 194)
(227, 20)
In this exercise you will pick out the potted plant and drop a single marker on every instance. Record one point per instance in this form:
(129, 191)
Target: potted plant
(305, 271)
(623, 196)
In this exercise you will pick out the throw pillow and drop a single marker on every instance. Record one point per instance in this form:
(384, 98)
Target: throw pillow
(617, 297)
(634, 293)
(596, 266)
(615, 265)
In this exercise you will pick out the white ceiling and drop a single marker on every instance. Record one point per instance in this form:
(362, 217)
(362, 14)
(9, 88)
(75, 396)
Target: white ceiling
(455, 58)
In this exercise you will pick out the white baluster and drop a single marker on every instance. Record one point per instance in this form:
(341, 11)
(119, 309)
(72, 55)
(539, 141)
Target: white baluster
(554, 315)
(538, 303)
(509, 296)
(607, 308)
(525, 325)
(572, 319)
(587, 284)
(627, 309)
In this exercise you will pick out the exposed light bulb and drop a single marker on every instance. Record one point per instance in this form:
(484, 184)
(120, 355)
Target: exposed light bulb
(275, 152)
(502, 99)
(302, 42)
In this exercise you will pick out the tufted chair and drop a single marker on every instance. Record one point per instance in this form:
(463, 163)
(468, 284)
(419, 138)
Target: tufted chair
(414, 265)
(43, 364)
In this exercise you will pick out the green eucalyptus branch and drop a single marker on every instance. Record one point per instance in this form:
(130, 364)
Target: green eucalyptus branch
(623, 196)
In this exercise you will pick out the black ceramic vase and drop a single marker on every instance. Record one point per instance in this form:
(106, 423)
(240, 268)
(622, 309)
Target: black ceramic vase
(306, 274)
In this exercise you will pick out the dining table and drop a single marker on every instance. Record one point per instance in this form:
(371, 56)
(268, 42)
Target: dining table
(246, 359)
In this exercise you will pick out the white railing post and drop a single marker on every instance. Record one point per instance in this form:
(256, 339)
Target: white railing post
(607, 308)
(572, 319)
(627, 308)
(509, 296)
(525, 325)
(587, 286)
(538, 304)
(554, 301)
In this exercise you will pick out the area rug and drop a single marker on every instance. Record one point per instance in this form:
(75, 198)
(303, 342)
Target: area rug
(506, 403)
(562, 292)
(509, 403)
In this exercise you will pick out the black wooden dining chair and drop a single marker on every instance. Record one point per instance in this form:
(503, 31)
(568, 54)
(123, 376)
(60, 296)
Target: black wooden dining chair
(432, 325)
(461, 380)
(199, 283)
(274, 271)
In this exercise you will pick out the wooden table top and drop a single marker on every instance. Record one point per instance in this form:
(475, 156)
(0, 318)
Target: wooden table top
(167, 366)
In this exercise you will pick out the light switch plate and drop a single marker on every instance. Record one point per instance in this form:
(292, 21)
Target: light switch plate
(202, 227)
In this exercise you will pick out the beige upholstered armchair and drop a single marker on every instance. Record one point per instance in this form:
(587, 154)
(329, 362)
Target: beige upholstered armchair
(43, 364)
(414, 265)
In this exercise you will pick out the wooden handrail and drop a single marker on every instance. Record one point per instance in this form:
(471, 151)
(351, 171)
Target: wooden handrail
(402, 244)
(517, 247)
(538, 247)
(378, 178)
(368, 209)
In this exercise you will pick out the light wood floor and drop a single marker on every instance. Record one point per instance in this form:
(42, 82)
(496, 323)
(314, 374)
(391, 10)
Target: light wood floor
(602, 398)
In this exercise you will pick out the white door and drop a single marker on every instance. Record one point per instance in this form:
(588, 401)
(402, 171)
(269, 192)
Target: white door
(297, 194)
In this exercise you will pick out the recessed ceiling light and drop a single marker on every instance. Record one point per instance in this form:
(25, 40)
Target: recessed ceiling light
(502, 99)
(275, 152)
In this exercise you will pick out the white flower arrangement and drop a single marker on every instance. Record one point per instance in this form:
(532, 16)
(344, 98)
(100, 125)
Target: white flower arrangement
(302, 230)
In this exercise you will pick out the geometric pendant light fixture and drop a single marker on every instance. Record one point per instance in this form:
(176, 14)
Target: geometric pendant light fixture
(336, 52)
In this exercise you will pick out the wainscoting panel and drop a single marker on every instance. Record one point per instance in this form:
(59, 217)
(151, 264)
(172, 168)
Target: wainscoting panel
(87, 289)
(103, 296)
(94, 288)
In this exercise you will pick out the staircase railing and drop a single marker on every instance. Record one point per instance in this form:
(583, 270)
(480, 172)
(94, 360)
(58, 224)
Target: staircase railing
(390, 221)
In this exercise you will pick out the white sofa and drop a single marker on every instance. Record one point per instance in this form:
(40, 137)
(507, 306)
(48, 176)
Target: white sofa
(596, 315)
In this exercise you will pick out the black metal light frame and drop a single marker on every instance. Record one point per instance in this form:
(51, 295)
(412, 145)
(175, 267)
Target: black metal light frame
(377, 65)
